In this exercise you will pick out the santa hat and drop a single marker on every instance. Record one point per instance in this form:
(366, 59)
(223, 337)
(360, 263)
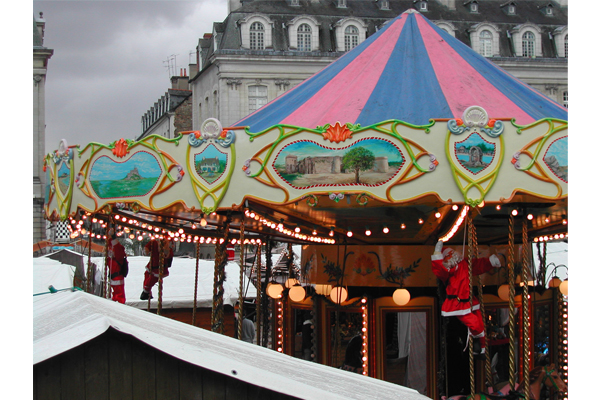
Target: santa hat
(446, 251)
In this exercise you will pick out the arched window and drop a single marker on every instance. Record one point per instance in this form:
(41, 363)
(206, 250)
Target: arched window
(567, 45)
(257, 36)
(528, 44)
(566, 99)
(350, 37)
(257, 97)
(304, 38)
(485, 43)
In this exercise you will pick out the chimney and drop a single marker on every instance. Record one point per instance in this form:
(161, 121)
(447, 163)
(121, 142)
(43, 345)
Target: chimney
(180, 82)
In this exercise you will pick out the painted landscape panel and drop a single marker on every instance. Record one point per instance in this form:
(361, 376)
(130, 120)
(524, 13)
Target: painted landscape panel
(64, 178)
(475, 153)
(557, 158)
(368, 162)
(135, 177)
(210, 163)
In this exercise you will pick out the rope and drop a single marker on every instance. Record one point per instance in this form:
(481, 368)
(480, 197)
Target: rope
(241, 294)
(88, 286)
(106, 266)
(265, 298)
(525, 303)
(196, 283)
(258, 293)
(163, 245)
(220, 262)
(511, 302)
(488, 362)
(470, 264)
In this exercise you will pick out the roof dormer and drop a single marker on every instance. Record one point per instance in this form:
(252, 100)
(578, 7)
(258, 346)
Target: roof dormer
(509, 8)
(547, 10)
(341, 4)
(472, 6)
(421, 5)
(383, 4)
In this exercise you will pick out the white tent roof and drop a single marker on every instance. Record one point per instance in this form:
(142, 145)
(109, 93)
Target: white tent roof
(178, 287)
(47, 271)
(65, 320)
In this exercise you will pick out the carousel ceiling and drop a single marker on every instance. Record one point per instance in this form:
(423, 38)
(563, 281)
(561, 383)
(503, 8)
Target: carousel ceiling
(392, 142)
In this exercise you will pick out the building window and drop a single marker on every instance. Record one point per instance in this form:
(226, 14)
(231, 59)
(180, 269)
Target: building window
(257, 97)
(566, 45)
(473, 7)
(257, 36)
(566, 99)
(485, 43)
(350, 37)
(528, 44)
(423, 6)
(304, 38)
(511, 10)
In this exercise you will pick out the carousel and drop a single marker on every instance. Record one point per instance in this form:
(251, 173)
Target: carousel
(406, 148)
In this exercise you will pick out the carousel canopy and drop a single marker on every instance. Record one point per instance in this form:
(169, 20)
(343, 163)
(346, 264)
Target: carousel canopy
(410, 70)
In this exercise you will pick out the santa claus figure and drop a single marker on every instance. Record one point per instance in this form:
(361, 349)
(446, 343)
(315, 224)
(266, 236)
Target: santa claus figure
(453, 270)
(116, 261)
(152, 272)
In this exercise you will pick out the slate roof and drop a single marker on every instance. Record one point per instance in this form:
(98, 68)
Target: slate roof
(327, 14)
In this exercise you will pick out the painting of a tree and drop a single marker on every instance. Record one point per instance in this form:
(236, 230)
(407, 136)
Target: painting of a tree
(358, 159)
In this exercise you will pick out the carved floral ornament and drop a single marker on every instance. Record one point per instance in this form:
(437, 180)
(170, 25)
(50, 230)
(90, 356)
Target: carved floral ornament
(337, 133)
(476, 117)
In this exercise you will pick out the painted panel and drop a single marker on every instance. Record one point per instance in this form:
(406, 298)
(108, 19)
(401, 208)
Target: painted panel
(134, 177)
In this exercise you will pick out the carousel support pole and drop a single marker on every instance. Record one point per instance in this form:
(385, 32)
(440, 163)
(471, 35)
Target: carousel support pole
(525, 302)
(220, 262)
(257, 257)
(512, 380)
(242, 272)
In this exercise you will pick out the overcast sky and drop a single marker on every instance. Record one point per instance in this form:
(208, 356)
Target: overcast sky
(110, 61)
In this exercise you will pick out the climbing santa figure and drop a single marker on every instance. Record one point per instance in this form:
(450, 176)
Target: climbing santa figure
(453, 270)
(154, 248)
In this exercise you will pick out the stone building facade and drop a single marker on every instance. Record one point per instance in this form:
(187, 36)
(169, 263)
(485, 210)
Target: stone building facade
(266, 47)
(41, 55)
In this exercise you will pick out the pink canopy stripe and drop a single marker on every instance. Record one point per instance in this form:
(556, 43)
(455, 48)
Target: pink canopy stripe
(343, 97)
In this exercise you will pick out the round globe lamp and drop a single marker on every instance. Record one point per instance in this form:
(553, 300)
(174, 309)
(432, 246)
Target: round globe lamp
(564, 287)
(274, 290)
(503, 292)
(338, 294)
(297, 293)
(401, 297)
(554, 282)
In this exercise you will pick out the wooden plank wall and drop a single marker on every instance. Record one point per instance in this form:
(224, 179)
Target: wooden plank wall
(117, 366)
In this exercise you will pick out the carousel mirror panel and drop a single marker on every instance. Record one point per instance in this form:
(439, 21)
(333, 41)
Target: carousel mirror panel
(406, 343)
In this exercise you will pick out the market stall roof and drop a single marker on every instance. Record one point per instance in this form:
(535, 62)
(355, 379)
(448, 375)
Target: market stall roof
(64, 321)
(410, 70)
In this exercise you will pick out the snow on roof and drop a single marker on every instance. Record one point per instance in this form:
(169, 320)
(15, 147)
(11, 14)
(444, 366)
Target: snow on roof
(65, 320)
(47, 271)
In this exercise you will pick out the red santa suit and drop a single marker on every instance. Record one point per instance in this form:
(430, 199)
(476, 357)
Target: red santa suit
(116, 258)
(453, 271)
(152, 272)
